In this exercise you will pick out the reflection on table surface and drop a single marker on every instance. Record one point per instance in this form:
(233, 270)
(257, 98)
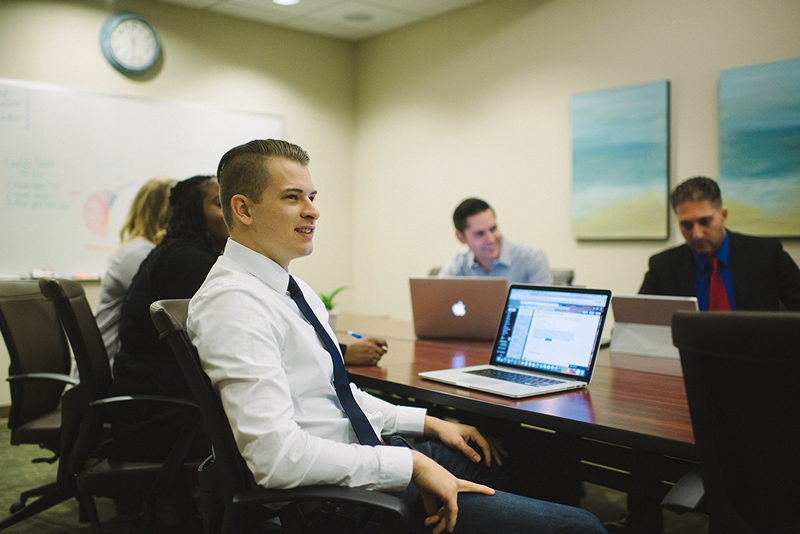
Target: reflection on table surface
(650, 405)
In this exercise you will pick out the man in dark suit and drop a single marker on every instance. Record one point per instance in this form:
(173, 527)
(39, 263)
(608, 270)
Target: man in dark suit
(757, 274)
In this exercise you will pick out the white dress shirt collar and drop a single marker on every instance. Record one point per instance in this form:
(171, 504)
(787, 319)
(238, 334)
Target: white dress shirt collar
(258, 265)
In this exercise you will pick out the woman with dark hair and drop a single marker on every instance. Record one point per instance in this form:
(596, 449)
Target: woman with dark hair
(175, 269)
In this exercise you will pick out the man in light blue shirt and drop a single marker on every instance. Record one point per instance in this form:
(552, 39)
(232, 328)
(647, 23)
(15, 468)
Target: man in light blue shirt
(489, 254)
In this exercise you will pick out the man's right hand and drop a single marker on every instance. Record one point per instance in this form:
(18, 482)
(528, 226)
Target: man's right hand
(439, 490)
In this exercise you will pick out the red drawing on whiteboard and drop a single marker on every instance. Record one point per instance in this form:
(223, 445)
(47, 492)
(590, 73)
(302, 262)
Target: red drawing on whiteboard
(96, 210)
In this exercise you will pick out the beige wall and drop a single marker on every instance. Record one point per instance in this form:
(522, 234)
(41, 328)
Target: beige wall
(478, 103)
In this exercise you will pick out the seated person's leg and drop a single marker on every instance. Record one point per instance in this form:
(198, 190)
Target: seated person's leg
(502, 512)
(509, 513)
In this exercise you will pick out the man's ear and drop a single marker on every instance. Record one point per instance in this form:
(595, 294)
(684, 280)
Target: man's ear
(461, 237)
(724, 212)
(240, 206)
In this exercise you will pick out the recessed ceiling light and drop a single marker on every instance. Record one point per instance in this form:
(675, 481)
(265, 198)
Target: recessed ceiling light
(286, 2)
(358, 17)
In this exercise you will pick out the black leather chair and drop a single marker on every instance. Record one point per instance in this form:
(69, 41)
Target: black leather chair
(232, 502)
(741, 372)
(38, 373)
(87, 407)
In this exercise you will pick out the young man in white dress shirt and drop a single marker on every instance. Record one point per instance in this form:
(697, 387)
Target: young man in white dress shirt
(274, 377)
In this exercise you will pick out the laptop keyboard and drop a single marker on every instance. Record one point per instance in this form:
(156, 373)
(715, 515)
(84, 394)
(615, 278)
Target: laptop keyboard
(528, 380)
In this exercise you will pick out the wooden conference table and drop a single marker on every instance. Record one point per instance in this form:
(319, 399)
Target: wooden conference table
(628, 430)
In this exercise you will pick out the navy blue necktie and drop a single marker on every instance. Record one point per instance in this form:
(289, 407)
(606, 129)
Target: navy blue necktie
(364, 431)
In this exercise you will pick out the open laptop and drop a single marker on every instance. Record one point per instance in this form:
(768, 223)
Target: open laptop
(461, 307)
(642, 335)
(547, 341)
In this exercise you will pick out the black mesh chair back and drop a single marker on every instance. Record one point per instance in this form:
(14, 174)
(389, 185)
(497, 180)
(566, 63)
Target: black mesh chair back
(741, 372)
(79, 322)
(223, 476)
(232, 501)
(36, 344)
(97, 475)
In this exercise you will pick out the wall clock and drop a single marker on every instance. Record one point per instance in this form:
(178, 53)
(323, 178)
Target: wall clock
(130, 44)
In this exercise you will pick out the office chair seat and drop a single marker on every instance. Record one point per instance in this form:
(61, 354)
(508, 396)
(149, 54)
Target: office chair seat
(105, 476)
(39, 430)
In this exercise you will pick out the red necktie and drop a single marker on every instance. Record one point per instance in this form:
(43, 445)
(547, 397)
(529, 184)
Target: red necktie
(717, 296)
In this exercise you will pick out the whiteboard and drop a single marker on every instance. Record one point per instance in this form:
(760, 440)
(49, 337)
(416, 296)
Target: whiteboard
(71, 162)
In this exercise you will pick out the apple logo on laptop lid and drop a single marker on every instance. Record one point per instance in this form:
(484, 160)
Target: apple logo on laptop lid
(459, 310)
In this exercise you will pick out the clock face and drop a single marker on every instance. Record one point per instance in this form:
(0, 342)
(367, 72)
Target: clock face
(129, 44)
(134, 44)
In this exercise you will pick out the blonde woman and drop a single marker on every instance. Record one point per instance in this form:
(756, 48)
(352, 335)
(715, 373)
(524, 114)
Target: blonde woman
(144, 228)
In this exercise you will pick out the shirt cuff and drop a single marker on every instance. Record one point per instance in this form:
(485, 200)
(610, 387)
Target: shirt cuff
(396, 467)
(410, 421)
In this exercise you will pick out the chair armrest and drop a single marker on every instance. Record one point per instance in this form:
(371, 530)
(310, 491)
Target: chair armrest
(143, 398)
(83, 425)
(58, 377)
(393, 510)
(686, 495)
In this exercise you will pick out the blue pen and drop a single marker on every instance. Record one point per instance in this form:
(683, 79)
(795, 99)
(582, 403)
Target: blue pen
(359, 336)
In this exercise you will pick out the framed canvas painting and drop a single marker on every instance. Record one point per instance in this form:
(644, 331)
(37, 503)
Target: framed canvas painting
(620, 163)
(759, 148)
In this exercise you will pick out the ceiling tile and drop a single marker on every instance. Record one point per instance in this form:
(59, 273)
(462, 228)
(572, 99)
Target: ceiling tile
(426, 8)
(358, 15)
(268, 6)
(331, 30)
(251, 13)
(197, 4)
(346, 19)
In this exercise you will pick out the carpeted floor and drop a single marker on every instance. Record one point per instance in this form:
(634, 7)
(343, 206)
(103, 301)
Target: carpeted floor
(18, 474)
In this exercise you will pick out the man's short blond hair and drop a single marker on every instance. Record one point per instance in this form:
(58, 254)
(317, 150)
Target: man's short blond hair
(243, 170)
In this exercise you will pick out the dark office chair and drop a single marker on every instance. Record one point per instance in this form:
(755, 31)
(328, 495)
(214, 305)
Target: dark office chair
(88, 406)
(741, 372)
(38, 373)
(232, 501)
(563, 277)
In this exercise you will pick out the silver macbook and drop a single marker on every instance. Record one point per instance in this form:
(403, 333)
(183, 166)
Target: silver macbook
(461, 307)
(642, 336)
(547, 341)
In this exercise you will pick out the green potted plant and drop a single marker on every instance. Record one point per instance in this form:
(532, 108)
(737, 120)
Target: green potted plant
(327, 300)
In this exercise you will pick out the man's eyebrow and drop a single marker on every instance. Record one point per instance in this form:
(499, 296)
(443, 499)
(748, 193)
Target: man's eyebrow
(297, 190)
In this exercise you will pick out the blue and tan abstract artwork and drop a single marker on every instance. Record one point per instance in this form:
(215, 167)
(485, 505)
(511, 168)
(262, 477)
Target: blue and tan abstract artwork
(620, 163)
(759, 147)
